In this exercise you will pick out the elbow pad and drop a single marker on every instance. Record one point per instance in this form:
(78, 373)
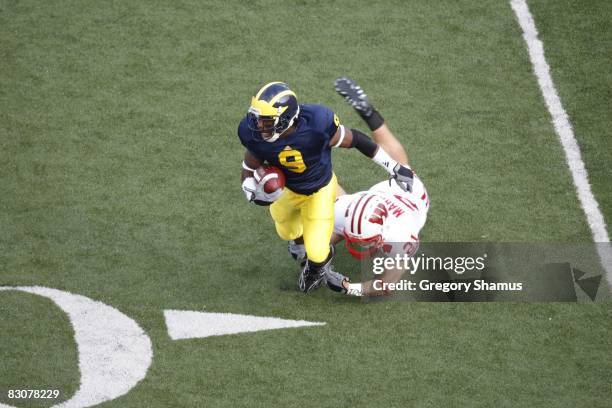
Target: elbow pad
(363, 143)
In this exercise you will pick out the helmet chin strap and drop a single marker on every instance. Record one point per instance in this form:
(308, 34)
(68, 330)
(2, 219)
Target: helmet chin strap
(276, 135)
(273, 138)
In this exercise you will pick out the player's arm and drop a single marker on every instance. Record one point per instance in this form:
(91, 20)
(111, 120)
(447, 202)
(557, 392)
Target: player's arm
(389, 153)
(354, 138)
(249, 164)
(387, 140)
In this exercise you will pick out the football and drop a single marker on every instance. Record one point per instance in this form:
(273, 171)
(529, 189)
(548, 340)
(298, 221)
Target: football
(271, 177)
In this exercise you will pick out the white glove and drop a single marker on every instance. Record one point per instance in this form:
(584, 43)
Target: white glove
(269, 197)
(254, 192)
(354, 289)
(249, 186)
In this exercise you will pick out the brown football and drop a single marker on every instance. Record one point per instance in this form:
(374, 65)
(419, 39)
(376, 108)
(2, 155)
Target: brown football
(271, 177)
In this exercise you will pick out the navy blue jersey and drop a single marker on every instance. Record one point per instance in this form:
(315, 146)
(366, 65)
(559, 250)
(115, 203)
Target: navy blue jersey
(304, 155)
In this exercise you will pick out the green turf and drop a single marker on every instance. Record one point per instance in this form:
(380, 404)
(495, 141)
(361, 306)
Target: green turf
(38, 350)
(577, 40)
(119, 168)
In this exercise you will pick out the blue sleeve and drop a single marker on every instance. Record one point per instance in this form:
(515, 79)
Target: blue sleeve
(246, 137)
(328, 122)
(244, 133)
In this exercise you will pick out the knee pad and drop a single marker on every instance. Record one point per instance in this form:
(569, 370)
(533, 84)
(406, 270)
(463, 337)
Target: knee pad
(287, 231)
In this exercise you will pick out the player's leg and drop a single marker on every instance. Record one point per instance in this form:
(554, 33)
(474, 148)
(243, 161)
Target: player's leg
(317, 215)
(339, 208)
(318, 221)
(340, 191)
(286, 215)
(288, 222)
(381, 134)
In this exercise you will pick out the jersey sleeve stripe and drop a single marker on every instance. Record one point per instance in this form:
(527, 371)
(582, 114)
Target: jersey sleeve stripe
(341, 136)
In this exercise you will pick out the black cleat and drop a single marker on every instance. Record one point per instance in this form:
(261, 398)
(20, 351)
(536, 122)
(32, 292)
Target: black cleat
(313, 274)
(311, 278)
(354, 95)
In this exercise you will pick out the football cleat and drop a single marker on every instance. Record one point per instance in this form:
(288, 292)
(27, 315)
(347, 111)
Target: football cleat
(311, 278)
(297, 251)
(313, 275)
(354, 95)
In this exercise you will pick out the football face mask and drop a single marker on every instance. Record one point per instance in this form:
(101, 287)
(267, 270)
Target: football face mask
(270, 127)
(361, 248)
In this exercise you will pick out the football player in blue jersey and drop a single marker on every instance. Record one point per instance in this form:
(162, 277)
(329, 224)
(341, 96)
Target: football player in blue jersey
(298, 139)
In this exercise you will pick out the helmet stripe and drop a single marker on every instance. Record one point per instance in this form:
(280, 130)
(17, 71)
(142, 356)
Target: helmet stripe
(280, 95)
(361, 214)
(266, 86)
(354, 209)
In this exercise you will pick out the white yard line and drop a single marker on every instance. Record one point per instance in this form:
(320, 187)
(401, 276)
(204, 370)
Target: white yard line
(114, 351)
(191, 324)
(564, 129)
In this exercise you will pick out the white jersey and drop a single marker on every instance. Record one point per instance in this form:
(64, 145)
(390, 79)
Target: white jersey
(407, 213)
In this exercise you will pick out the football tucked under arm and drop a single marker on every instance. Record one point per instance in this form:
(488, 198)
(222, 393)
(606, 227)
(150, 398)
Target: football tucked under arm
(271, 182)
(263, 185)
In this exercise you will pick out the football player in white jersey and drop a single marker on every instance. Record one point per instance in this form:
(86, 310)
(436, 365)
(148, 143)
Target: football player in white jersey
(387, 218)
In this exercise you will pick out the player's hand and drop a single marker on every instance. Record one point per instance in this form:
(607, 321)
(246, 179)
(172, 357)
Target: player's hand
(267, 198)
(254, 192)
(249, 187)
(403, 176)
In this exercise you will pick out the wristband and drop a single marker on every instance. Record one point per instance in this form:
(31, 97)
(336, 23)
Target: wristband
(383, 159)
(247, 168)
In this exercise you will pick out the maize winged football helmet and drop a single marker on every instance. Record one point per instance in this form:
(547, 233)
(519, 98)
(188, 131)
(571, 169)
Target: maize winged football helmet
(273, 110)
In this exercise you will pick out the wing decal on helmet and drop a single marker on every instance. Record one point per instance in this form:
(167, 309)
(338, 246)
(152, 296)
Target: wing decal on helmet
(265, 87)
(281, 95)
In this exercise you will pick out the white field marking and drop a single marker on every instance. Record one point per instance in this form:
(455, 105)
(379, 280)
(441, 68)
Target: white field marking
(185, 324)
(114, 352)
(564, 129)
